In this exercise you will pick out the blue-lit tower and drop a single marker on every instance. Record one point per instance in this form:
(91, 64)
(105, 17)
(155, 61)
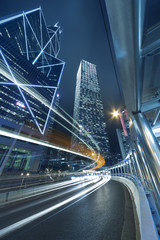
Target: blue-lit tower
(30, 75)
(89, 112)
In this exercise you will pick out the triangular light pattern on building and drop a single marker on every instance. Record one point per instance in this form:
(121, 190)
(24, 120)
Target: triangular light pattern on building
(31, 43)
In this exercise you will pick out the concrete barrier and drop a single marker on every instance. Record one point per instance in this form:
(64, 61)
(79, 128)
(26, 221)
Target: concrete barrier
(147, 227)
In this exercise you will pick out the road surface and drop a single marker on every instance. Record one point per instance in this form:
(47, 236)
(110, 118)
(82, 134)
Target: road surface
(95, 215)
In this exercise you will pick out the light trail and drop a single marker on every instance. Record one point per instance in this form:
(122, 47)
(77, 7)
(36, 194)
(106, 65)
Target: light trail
(7, 230)
(17, 80)
(88, 146)
(87, 134)
(40, 191)
(52, 187)
(30, 90)
(73, 120)
(38, 142)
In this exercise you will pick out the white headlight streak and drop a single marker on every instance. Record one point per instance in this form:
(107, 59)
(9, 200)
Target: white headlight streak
(31, 140)
(34, 217)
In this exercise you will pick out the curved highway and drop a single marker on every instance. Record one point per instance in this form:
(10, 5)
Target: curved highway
(90, 209)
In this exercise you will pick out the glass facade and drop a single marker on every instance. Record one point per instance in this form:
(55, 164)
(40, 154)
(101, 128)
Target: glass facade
(19, 159)
(88, 110)
(30, 73)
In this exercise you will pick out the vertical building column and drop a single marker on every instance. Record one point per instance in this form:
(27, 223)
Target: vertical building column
(3, 157)
(151, 147)
(14, 157)
(10, 150)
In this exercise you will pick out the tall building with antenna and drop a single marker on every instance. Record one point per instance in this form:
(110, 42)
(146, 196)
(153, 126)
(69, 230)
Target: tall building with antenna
(89, 112)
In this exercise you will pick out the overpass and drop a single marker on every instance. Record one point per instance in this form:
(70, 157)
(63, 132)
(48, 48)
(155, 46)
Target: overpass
(133, 30)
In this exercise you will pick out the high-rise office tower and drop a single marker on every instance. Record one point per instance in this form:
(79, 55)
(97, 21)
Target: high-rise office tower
(29, 70)
(89, 112)
(30, 75)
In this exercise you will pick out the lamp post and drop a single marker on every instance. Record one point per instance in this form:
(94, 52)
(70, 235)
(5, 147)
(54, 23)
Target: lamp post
(24, 175)
(119, 114)
(123, 117)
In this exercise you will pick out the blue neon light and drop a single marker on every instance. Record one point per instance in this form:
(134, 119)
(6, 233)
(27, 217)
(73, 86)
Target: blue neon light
(20, 90)
(26, 85)
(42, 47)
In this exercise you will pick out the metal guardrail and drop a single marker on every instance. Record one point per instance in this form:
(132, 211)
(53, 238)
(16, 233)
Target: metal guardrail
(148, 190)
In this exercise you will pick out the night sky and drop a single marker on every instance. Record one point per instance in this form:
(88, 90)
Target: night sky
(83, 37)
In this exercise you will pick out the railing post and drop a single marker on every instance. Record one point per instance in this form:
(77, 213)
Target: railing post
(124, 169)
(118, 170)
(148, 174)
(130, 166)
(142, 167)
(133, 167)
(139, 169)
(125, 172)
(121, 169)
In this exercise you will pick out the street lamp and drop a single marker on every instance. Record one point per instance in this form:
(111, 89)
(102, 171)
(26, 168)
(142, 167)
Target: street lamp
(119, 114)
(115, 113)
(22, 174)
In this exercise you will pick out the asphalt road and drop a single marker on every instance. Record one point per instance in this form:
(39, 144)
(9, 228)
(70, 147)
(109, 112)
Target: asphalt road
(100, 215)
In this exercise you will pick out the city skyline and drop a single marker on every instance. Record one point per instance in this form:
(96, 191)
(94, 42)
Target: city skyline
(62, 175)
(83, 38)
(30, 77)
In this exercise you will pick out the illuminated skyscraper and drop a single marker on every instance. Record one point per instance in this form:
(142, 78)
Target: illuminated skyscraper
(29, 70)
(30, 73)
(89, 112)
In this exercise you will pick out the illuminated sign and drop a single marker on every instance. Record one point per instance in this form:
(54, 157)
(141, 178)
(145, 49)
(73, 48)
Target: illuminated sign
(20, 104)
